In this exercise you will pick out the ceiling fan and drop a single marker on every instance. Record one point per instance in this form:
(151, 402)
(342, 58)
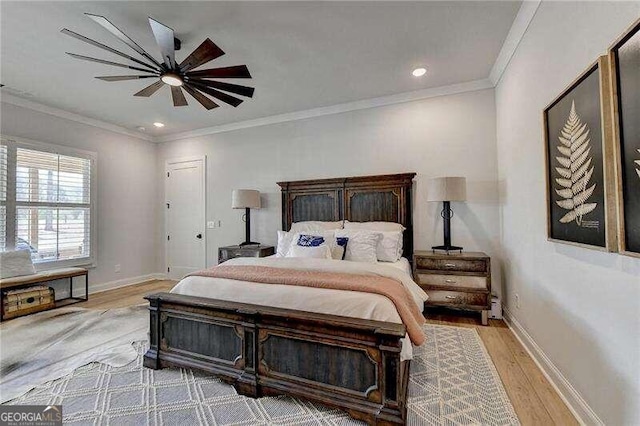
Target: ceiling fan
(176, 75)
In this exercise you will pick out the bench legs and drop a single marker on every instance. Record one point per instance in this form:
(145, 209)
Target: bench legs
(86, 287)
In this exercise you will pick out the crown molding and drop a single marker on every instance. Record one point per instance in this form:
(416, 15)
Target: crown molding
(335, 109)
(35, 106)
(517, 31)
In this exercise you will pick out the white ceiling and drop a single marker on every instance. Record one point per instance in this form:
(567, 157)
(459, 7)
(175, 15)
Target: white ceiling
(302, 55)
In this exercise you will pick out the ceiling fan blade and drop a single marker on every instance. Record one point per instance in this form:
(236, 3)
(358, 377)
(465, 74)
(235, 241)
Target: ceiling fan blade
(207, 51)
(105, 47)
(102, 61)
(204, 101)
(150, 90)
(164, 38)
(238, 71)
(106, 24)
(125, 77)
(227, 87)
(178, 96)
(231, 100)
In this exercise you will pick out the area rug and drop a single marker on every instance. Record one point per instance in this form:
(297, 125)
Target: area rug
(452, 382)
(42, 347)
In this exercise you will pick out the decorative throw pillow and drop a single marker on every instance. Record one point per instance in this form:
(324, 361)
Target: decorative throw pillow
(315, 226)
(15, 264)
(340, 248)
(362, 245)
(305, 240)
(318, 252)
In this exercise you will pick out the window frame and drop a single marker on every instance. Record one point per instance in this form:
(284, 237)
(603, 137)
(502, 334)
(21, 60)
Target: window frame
(13, 143)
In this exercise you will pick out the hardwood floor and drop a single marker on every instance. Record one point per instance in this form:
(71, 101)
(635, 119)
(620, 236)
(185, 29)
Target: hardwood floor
(532, 396)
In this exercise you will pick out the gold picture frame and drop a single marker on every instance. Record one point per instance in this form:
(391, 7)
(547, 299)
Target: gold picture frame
(627, 182)
(579, 162)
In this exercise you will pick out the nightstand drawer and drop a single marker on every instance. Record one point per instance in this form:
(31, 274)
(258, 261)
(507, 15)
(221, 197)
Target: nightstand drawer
(461, 281)
(453, 298)
(462, 265)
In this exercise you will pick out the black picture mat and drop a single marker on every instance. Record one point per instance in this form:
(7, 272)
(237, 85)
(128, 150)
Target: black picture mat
(627, 57)
(586, 94)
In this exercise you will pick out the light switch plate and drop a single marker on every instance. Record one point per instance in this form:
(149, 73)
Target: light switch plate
(211, 225)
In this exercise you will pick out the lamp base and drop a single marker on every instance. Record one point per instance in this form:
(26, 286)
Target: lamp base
(447, 248)
(248, 243)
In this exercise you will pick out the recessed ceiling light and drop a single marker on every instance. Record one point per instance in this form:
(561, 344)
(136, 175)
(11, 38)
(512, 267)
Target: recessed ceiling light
(419, 72)
(158, 124)
(141, 128)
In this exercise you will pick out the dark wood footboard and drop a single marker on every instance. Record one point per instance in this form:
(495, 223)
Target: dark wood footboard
(348, 363)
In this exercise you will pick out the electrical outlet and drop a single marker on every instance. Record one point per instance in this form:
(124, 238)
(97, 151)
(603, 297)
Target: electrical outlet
(518, 301)
(117, 267)
(211, 224)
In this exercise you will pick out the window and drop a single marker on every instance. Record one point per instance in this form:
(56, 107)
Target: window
(46, 201)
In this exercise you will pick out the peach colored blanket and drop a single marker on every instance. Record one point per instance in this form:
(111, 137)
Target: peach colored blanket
(409, 313)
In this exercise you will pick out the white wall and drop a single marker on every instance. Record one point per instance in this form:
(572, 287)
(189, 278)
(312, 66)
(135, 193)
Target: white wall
(127, 189)
(449, 135)
(582, 307)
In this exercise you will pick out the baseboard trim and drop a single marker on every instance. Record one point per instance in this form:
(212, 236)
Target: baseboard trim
(571, 397)
(125, 282)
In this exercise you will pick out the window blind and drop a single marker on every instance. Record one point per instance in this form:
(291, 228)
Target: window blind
(53, 205)
(3, 197)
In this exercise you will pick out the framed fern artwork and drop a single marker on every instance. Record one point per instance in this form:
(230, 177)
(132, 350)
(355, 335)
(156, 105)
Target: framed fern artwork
(580, 162)
(624, 57)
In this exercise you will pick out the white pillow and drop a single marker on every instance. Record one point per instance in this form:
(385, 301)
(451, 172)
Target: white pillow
(15, 264)
(361, 246)
(284, 243)
(315, 226)
(390, 246)
(374, 226)
(319, 252)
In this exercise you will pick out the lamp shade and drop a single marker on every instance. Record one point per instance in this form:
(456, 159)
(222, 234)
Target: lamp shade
(447, 189)
(245, 198)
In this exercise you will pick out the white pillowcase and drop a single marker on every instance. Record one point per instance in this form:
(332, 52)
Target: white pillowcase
(284, 243)
(315, 226)
(390, 247)
(319, 252)
(361, 246)
(374, 226)
(15, 264)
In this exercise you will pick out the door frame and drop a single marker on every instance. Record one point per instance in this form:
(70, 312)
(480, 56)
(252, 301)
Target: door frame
(167, 165)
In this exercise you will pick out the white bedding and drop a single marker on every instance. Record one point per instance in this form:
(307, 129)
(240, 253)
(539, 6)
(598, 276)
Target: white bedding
(319, 300)
(402, 264)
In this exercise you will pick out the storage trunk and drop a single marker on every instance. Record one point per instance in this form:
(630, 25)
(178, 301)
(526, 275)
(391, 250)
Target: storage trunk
(27, 301)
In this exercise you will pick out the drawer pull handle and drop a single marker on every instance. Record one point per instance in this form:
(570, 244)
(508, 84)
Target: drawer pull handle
(451, 297)
(450, 281)
(449, 265)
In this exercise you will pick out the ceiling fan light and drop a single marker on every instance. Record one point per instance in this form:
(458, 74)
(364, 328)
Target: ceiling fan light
(172, 79)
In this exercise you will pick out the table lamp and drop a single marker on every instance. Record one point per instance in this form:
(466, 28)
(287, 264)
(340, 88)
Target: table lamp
(447, 189)
(246, 199)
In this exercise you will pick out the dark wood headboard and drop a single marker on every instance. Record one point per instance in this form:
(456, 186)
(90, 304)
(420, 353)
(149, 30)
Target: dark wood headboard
(384, 198)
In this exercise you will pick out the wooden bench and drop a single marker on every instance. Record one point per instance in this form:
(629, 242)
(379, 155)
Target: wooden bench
(15, 283)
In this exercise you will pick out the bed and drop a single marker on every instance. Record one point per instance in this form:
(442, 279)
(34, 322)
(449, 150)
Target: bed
(358, 365)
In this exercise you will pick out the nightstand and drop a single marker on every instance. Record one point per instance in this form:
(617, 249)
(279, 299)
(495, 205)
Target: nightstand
(229, 252)
(459, 281)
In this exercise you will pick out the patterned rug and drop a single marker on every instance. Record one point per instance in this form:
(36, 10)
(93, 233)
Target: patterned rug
(452, 382)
